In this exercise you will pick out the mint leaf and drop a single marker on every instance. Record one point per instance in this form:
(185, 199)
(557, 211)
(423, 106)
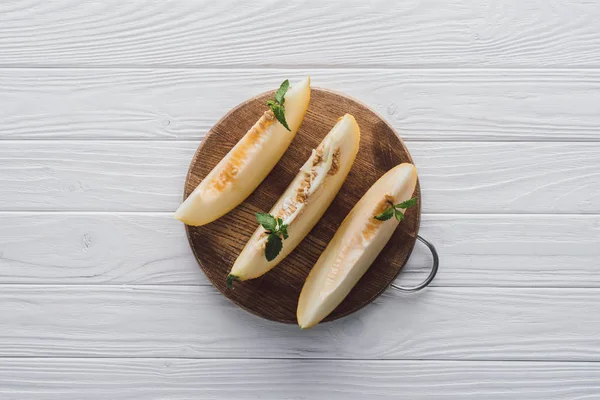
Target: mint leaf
(394, 210)
(283, 231)
(280, 93)
(274, 246)
(267, 221)
(230, 280)
(399, 215)
(276, 230)
(387, 214)
(277, 105)
(279, 112)
(408, 203)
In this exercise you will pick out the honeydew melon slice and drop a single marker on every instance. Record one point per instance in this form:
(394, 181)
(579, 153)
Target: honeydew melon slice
(355, 245)
(247, 164)
(305, 200)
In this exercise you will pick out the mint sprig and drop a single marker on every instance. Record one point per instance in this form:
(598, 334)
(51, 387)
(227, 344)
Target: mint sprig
(394, 210)
(277, 232)
(277, 105)
(230, 279)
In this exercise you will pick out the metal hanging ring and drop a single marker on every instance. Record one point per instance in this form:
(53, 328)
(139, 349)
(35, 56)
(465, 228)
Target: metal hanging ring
(434, 270)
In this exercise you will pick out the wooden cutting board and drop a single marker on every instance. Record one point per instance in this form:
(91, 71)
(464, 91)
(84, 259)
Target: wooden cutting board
(275, 295)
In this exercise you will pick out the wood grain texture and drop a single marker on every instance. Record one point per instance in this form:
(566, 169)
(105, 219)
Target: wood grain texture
(275, 295)
(240, 33)
(171, 104)
(97, 248)
(439, 323)
(151, 248)
(148, 176)
(131, 78)
(100, 176)
(183, 379)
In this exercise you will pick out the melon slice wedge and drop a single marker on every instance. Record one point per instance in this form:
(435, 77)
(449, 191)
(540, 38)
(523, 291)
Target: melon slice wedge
(306, 198)
(355, 245)
(240, 172)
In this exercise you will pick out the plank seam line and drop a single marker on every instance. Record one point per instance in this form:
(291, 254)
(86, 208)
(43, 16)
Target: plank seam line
(165, 286)
(8, 212)
(156, 286)
(301, 67)
(412, 360)
(200, 138)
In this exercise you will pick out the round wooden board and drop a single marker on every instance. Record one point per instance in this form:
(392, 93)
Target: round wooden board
(275, 295)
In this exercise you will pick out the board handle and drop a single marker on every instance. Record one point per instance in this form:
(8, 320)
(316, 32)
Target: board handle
(434, 270)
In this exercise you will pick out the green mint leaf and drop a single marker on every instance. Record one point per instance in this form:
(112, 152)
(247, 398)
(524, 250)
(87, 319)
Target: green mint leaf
(408, 203)
(280, 93)
(387, 214)
(399, 215)
(230, 280)
(267, 221)
(276, 229)
(274, 246)
(279, 112)
(282, 228)
(283, 231)
(277, 104)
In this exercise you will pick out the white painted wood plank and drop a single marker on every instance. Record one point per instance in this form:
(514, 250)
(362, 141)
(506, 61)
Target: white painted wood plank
(475, 250)
(378, 33)
(179, 379)
(463, 104)
(61, 175)
(197, 321)
(149, 176)
(102, 248)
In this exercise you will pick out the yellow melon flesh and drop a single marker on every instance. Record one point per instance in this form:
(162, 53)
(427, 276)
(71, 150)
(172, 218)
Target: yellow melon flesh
(239, 173)
(306, 198)
(355, 245)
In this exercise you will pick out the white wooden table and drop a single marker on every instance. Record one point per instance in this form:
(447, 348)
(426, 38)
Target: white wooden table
(102, 104)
